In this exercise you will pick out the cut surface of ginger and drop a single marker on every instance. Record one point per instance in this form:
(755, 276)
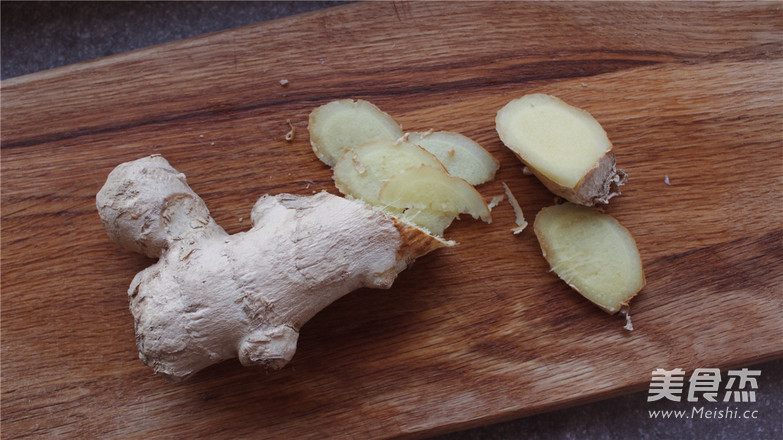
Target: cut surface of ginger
(428, 188)
(592, 253)
(434, 222)
(561, 141)
(461, 156)
(564, 146)
(344, 124)
(361, 172)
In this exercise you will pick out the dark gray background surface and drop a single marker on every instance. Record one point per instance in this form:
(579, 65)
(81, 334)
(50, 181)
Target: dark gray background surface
(40, 36)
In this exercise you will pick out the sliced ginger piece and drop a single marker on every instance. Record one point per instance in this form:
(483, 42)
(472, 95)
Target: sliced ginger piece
(592, 252)
(344, 124)
(428, 188)
(564, 146)
(432, 221)
(366, 149)
(361, 172)
(461, 156)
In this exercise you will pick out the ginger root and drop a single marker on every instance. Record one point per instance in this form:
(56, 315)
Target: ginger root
(592, 252)
(431, 190)
(343, 124)
(564, 146)
(369, 155)
(361, 172)
(461, 156)
(212, 296)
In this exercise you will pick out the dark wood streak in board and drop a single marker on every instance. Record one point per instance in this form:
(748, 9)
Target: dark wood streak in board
(510, 36)
(559, 66)
(478, 333)
(527, 72)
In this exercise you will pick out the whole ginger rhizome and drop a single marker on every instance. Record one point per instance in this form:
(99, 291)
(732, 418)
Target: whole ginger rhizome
(212, 296)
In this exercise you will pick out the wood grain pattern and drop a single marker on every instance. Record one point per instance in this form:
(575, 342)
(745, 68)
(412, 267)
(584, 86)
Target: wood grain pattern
(470, 335)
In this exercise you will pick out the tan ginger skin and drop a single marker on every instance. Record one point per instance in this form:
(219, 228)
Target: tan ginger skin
(212, 296)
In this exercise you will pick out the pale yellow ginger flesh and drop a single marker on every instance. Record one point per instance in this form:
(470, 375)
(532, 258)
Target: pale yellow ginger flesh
(432, 221)
(361, 172)
(461, 156)
(366, 149)
(427, 188)
(343, 124)
(213, 296)
(564, 146)
(592, 253)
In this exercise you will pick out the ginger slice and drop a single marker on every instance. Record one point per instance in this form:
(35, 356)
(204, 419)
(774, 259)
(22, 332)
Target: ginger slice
(428, 188)
(461, 156)
(361, 172)
(433, 222)
(367, 149)
(564, 146)
(344, 124)
(592, 253)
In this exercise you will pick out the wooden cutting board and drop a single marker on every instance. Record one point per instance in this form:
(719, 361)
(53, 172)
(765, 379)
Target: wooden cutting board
(470, 335)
